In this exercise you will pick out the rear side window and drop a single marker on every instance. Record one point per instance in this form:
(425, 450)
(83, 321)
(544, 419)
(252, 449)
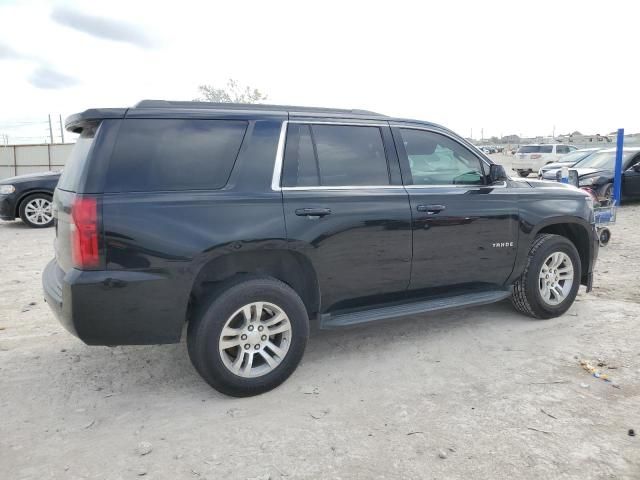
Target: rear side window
(75, 165)
(334, 155)
(156, 155)
(546, 148)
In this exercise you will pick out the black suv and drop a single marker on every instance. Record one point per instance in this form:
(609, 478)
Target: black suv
(249, 221)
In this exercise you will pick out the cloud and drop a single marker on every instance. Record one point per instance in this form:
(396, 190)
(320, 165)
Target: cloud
(102, 27)
(8, 53)
(46, 77)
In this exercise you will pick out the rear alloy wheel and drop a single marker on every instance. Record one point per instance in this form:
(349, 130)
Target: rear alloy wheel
(36, 211)
(523, 173)
(249, 336)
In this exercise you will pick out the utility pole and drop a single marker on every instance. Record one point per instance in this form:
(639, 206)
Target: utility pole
(482, 134)
(50, 130)
(471, 137)
(61, 129)
(553, 133)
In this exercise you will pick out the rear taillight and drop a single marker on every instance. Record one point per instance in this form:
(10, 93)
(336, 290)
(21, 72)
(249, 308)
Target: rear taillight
(84, 233)
(535, 155)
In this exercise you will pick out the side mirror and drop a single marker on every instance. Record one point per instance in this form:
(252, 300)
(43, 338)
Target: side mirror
(497, 173)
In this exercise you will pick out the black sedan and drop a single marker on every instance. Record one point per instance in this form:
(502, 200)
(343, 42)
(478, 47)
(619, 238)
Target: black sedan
(29, 197)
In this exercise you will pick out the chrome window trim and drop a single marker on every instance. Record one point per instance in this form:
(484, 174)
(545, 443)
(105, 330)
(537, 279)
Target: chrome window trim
(346, 187)
(277, 168)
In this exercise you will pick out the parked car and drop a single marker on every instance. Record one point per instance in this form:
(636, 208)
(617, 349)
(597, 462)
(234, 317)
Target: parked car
(530, 158)
(28, 197)
(548, 172)
(248, 222)
(596, 172)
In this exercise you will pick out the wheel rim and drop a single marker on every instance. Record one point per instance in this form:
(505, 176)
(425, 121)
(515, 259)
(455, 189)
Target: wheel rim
(38, 211)
(556, 278)
(255, 339)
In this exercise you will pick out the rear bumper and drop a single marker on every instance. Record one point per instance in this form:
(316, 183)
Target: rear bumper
(115, 307)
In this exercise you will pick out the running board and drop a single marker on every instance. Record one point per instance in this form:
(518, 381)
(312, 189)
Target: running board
(329, 321)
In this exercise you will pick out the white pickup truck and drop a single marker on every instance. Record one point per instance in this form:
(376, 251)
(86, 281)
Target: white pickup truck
(530, 158)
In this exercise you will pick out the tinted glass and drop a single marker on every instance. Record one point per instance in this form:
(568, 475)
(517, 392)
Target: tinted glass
(154, 155)
(529, 149)
(350, 155)
(562, 149)
(546, 148)
(77, 160)
(435, 159)
(300, 165)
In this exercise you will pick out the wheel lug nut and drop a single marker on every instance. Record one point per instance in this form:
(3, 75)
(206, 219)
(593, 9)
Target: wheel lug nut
(243, 337)
(250, 328)
(260, 328)
(247, 346)
(263, 337)
(257, 346)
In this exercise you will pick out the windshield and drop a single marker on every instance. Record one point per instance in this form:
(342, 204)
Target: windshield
(574, 157)
(602, 160)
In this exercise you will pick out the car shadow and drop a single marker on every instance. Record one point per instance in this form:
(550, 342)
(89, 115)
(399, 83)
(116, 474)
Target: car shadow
(166, 369)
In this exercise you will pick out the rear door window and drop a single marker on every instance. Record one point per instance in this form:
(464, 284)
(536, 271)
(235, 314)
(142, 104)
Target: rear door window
(334, 155)
(166, 155)
(546, 149)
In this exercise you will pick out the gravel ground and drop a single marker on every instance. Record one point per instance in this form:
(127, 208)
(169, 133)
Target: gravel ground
(481, 393)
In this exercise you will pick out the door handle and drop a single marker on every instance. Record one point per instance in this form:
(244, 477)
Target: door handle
(430, 209)
(313, 212)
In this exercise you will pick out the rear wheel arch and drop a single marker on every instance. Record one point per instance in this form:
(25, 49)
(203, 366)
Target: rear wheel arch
(289, 267)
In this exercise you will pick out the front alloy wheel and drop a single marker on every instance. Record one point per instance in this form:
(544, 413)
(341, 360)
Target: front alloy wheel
(36, 211)
(556, 278)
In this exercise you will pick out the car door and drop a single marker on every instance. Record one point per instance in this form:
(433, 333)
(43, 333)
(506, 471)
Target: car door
(346, 210)
(464, 230)
(631, 178)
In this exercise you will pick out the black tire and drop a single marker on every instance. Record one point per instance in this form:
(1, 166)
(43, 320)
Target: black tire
(523, 173)
(209, 318)
(606, 194)
(604, 236)
(23, 213)
(526, 297)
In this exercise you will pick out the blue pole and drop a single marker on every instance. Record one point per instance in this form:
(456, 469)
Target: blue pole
(617, 178)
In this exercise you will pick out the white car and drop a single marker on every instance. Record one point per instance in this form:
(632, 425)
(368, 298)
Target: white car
(530, 158)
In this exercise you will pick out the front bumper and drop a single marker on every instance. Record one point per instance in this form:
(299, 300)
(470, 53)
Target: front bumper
(115, 307)
(7, 207)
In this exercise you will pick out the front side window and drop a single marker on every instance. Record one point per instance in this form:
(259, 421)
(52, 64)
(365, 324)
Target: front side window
(435, 159)
(562, 149)
(334, 155)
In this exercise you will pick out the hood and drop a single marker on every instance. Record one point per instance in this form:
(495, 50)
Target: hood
(584, 172)
(31, 176)
(553, 165)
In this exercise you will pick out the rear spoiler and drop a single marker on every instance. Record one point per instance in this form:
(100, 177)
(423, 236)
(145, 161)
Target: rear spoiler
(76, 122)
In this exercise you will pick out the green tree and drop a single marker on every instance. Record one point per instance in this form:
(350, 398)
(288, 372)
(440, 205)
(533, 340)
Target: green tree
(234, 92)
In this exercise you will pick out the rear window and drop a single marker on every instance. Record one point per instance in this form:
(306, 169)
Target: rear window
(75, 164)
(165, 155)
(535, 149)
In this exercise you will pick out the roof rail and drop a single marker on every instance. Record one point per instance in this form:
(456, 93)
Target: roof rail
(248, 106)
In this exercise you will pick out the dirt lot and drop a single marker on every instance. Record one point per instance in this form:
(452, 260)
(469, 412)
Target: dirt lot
(498, 395)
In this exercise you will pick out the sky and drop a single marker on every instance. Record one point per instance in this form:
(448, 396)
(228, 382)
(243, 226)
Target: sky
(496, 67)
